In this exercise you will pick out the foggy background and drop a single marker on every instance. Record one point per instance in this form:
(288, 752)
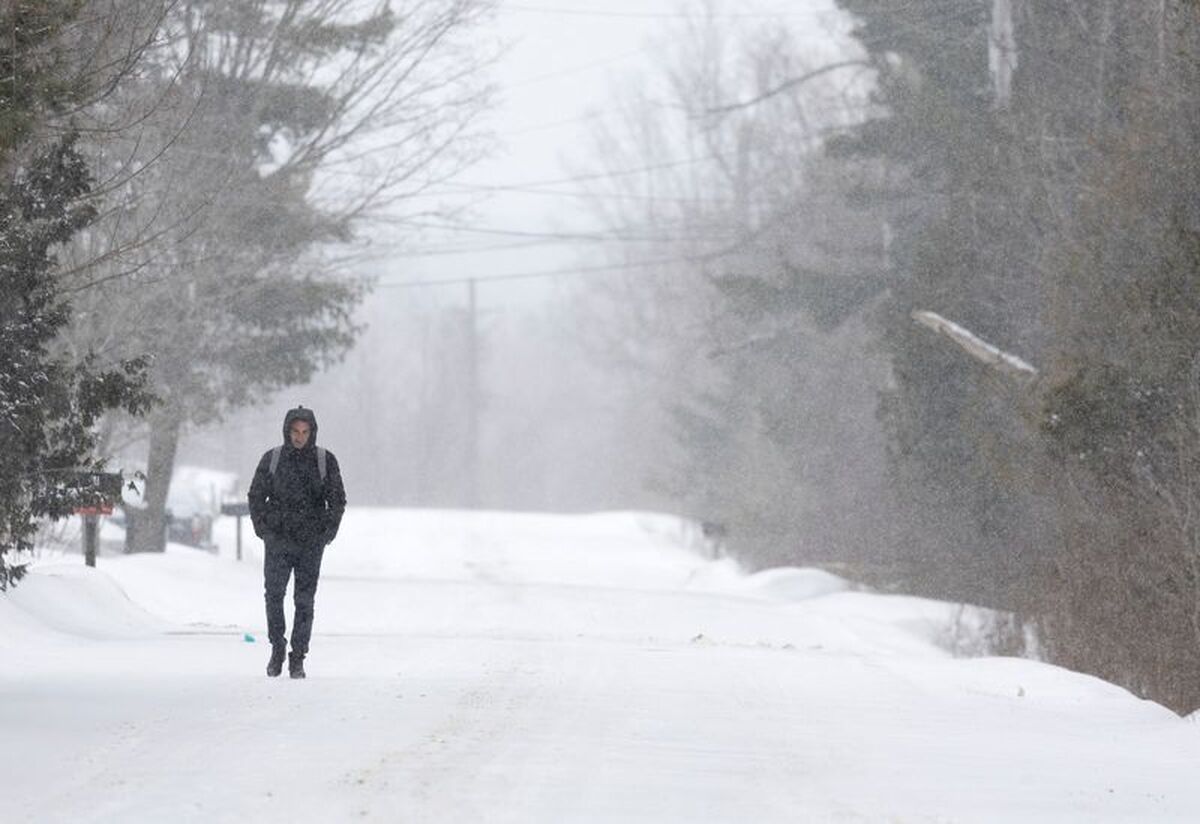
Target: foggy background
(560, 428)
(906, 291)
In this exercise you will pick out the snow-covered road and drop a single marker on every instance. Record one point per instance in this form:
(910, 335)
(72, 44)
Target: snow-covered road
(514, 668)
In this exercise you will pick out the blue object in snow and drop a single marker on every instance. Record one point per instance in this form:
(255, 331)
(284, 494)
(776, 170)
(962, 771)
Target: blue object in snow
(248, 638)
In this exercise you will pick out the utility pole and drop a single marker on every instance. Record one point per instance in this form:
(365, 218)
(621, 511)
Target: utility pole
(1002, 50)
(1161, 35)
(471, 458)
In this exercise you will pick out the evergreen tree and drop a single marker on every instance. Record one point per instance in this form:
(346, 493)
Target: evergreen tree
(48, 404)
(259, 188)
(959, 251)
(1060, 221)
(751, 354)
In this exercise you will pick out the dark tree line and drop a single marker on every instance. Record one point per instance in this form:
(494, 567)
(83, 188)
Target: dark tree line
(1057, 217)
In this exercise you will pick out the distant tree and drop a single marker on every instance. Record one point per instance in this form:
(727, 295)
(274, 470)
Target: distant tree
(747, 342)
(961, 220)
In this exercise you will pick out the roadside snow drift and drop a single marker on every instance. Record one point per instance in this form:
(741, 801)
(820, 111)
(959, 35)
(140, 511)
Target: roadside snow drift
(514, 668)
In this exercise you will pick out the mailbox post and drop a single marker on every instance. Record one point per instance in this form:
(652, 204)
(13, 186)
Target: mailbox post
(239, 509)
(103, 489)
(91, 538)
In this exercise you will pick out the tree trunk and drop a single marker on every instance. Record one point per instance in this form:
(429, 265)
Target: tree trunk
(1002, 50)
(150, 530)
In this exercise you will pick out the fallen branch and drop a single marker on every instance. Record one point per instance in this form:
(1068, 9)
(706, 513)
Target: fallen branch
(982, 351)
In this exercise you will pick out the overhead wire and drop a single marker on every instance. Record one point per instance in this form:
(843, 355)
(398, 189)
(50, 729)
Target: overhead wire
(580, 178)
(555, 273)
(557, 235)
(451, 251)
(466, 188)
(641, 15)
(573, 70)
(545, 127)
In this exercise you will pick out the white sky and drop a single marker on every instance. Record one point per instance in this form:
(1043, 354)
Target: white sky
(564, 59)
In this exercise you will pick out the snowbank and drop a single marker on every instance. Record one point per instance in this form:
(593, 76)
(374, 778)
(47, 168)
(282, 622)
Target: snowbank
(517, 667)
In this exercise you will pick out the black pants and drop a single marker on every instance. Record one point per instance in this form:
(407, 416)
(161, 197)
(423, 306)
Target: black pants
(280, 559)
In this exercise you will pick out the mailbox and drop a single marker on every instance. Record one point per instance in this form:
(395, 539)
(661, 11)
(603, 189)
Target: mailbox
(239, 509)
(97, 493)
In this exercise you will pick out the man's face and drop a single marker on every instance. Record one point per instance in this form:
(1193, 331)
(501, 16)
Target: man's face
(299, 432)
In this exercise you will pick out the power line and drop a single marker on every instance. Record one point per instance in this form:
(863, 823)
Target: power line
(573, 70)
(436, 251)
(571, 236)
(704, 257)
(728, 250)
(642, 15)
(554, 124)
(637, 170)
(466, 188)
(546, 273)
(500, 187)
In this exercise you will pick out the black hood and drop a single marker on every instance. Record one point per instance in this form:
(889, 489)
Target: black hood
(300, 414)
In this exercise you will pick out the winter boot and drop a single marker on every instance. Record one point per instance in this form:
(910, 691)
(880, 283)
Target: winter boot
(296, 665)
(275, 665)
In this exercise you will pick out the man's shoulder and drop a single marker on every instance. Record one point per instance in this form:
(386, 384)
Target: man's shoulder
(332, 467)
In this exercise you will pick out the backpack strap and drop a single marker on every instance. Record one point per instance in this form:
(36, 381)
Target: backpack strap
(320, 460)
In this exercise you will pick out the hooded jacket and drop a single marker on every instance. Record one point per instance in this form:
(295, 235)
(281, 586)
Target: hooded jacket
(293, 503)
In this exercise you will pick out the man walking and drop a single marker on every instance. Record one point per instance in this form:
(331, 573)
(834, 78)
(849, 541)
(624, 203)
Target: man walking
(296, 504)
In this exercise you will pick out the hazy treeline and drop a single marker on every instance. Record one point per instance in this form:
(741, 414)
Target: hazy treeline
(223, 160)
(742, 331)
(399, 409)
(1028, 171)
(1056, 216)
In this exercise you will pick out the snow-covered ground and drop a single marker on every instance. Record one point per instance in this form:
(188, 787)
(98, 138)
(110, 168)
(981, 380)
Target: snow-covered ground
(486, 667)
